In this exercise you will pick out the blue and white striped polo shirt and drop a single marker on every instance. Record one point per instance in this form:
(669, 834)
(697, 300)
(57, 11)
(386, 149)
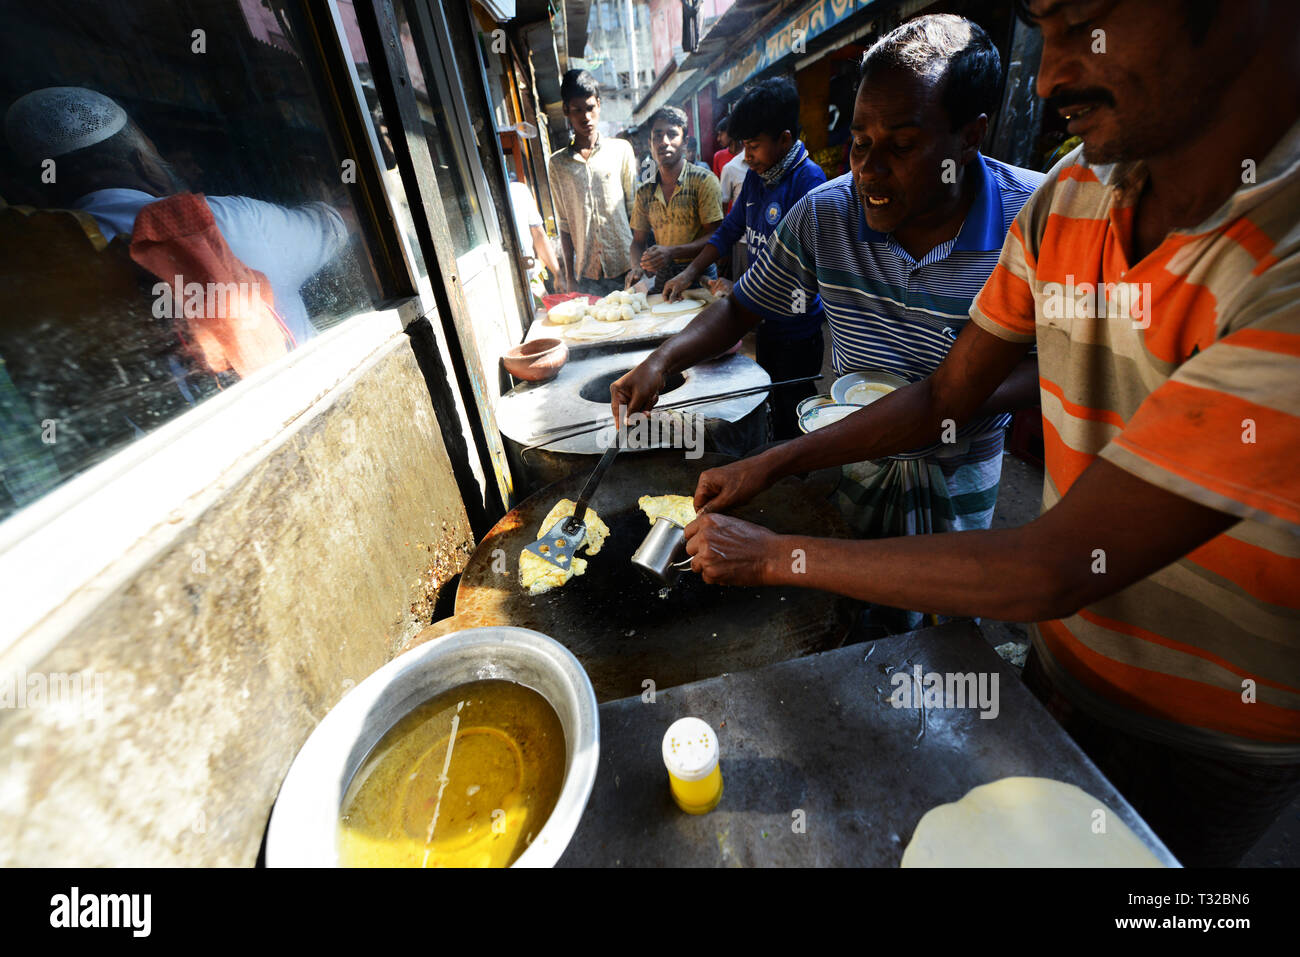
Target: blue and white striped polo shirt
(886, 310)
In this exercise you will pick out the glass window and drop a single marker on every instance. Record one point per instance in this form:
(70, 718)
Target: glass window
(173, 218)
(459, 201)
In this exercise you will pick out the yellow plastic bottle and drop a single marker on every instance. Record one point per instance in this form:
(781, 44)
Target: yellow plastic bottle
(690, 751)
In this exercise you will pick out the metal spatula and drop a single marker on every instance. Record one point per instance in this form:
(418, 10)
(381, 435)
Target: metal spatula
(559, 545)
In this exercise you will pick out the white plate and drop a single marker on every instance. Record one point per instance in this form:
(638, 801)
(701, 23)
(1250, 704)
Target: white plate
(820, 416)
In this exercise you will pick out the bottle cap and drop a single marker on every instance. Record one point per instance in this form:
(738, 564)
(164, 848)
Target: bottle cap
(690, 749)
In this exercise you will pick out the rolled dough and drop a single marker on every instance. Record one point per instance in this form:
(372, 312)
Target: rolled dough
(676, 308)
(1025, 822)
(592, 331)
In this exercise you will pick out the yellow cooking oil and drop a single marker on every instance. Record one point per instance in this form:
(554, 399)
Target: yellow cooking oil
(691, 755)
(697, 797)
(466, 779)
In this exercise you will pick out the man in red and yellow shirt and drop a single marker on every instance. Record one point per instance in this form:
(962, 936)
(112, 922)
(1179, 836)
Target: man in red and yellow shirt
(1158, 271)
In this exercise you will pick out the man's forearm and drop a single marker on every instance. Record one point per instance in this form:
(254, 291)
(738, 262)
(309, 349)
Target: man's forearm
(692, 250)
(543, 250)
(914, 416)
(1006, 574)
(704, 258)
(1019, 391)
(712, 332)
(902, 420)
(1046, 569)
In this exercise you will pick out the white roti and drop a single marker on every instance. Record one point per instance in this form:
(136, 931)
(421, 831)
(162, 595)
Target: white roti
(592, 331)
(676, 308)
(1025, 822)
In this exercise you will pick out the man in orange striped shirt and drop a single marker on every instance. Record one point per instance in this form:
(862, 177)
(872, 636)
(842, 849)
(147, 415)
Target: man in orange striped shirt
(1158, 271)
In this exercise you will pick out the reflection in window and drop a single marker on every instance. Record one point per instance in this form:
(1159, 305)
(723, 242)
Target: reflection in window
(172, 219)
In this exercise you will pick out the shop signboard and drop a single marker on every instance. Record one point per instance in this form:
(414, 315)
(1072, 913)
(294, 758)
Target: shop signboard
(791, 36)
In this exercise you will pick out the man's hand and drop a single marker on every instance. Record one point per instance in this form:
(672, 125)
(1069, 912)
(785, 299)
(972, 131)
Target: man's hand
(655, 258)
(720, 287)
(728, 551)
(633, 277)
(638, 390)
(674, 287)
(733, 484)
(560, 282)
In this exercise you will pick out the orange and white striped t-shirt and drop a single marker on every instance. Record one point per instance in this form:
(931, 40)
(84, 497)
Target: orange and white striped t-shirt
(1183, 369)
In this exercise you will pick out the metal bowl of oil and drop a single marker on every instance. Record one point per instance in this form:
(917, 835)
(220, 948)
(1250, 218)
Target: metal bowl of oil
(309, 826)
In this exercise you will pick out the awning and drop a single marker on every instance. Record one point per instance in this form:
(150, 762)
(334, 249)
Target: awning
(575, 25)
(541, 44)
(728, 28)
(790, 36)
(663, 89)
(499, 10)
(756, 35)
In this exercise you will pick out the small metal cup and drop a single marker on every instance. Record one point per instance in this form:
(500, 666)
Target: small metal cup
(664, 546)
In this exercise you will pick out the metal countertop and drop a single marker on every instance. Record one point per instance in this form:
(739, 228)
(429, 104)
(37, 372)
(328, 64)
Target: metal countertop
(819, 735)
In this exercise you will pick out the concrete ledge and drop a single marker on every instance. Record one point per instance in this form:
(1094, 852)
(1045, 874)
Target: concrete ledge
(202, 675)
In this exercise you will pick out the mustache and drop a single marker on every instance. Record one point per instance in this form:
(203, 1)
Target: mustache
(1089, 94)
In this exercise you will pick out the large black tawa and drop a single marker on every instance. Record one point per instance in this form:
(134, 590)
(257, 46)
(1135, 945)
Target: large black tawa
(621, 624)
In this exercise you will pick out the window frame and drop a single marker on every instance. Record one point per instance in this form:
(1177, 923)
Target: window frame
(441, 61)
(381, 30)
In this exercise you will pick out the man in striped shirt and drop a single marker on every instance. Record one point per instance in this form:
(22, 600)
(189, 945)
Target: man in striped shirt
(891, 255)
(1158, 271)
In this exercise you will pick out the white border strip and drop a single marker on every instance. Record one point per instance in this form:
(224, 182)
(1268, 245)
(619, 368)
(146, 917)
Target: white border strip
(66, 552)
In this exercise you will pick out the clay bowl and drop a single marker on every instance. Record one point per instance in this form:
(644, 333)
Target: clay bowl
(536, 361)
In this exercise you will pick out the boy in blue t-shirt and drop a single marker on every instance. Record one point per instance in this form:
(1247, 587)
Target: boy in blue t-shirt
(766, 121)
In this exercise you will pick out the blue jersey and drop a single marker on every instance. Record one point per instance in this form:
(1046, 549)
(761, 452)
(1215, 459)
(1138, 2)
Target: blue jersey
(754, 217)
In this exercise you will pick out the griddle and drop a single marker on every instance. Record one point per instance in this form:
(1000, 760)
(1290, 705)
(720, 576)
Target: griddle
(614, 619)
